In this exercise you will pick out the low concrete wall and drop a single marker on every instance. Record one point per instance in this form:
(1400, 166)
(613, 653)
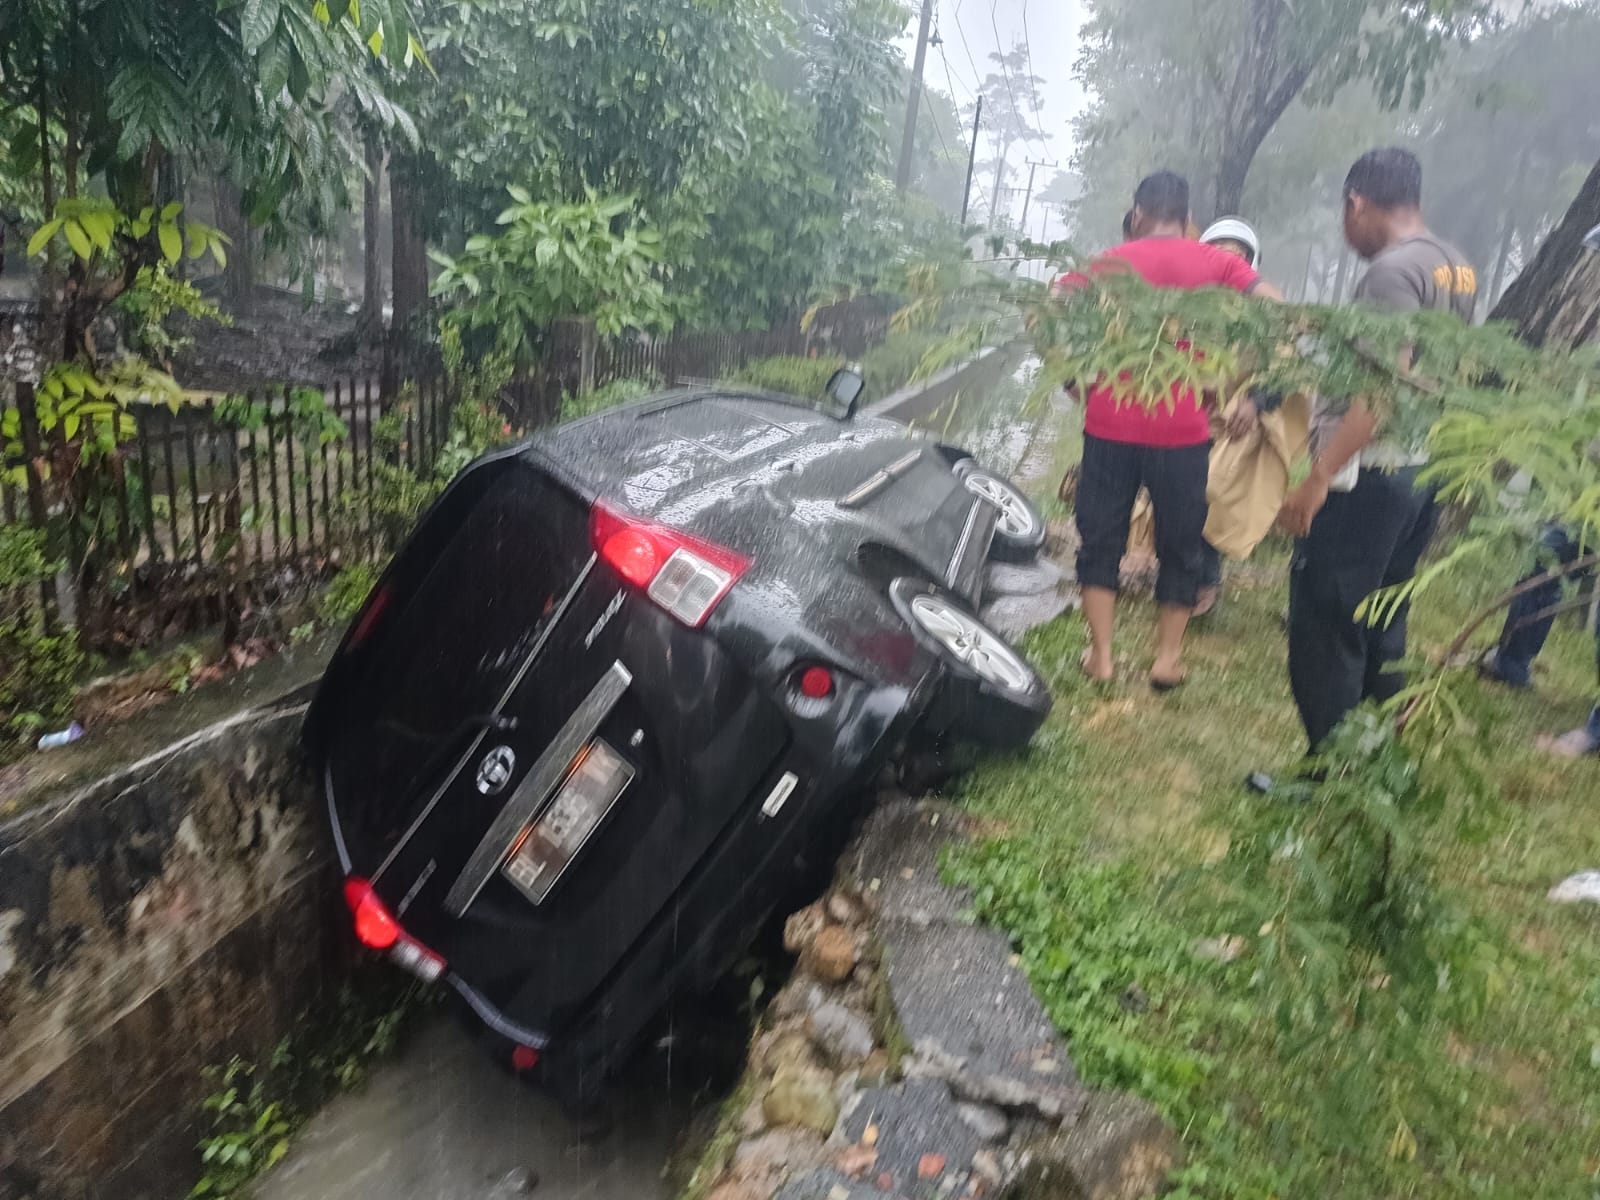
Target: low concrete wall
(923, 402)
(151, 924)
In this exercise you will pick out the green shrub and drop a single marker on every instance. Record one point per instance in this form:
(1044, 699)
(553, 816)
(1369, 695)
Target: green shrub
(348, 591)
(790, 374)
(38, 673)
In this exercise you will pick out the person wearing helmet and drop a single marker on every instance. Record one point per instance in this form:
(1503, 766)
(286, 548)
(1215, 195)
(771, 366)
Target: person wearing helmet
(1236, 237)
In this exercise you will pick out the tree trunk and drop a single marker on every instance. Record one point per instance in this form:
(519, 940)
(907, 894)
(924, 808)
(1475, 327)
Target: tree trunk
(410, 250)
(239, 278)
(369, 324)
(1556, 299)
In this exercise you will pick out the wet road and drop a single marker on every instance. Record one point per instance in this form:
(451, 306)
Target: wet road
(441, 1122)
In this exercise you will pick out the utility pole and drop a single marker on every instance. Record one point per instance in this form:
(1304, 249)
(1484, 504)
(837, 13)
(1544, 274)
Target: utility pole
(972, 157)
(908, 141)
(1032, 167)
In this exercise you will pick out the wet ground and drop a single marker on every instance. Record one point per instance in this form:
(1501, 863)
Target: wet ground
(442, 1122)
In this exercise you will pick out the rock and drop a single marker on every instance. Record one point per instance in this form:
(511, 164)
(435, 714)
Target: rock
(752, 1120)
(1118, 1149)
(885, 1181)
(856, 1161)
(782, 1049)
(801, 929)
(1585, 885)
(985, 1120)
(798, 998)
(767, 1159)
(832, 955)
(802, 1096)
(843, 909)
(844, 1038)
(1226, 949)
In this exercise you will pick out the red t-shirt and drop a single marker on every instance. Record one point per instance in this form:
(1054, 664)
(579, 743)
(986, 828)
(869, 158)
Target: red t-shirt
(1167, 262)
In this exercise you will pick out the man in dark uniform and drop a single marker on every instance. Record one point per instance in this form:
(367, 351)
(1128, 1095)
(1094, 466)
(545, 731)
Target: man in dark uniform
(1361, 520)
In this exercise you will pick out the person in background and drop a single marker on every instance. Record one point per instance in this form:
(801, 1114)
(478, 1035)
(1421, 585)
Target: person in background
(1531, 615)
(1164, 447)
(1233, 236)
(1356, 537)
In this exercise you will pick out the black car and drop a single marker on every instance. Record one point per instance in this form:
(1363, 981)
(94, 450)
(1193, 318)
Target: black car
(620, 678)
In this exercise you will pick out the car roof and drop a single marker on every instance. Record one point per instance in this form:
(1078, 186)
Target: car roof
(669, 443)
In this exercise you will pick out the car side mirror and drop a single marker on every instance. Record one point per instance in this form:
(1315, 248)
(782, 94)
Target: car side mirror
(844, 388)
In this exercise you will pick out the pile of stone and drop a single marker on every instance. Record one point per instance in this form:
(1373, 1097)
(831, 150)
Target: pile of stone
(908, 1057)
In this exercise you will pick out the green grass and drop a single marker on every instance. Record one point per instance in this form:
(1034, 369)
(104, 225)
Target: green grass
(1111, 839)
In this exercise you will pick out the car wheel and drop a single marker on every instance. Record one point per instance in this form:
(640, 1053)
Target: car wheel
(1019, 534)
(996, 698)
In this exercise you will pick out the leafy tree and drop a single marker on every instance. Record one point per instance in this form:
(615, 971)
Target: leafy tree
(1201, 86)
(555, 259)
(126, 96)
(623, 97)
(1009, 115)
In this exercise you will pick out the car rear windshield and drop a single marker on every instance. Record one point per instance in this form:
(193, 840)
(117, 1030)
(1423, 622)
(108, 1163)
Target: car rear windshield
(457, 640)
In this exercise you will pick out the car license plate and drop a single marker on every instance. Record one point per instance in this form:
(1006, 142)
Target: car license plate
(544, 850)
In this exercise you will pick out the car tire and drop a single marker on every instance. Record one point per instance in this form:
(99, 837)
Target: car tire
(991, 694)
(1019, 534)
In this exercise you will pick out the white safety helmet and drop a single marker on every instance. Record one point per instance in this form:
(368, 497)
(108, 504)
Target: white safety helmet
(1232, 229)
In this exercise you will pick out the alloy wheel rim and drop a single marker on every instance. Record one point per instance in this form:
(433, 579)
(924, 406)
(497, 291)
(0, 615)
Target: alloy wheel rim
(1016, 518)
(972, 644)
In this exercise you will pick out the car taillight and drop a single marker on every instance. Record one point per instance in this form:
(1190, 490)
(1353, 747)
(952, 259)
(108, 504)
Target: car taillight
(370, 617)
(683, 574)
(377, 929)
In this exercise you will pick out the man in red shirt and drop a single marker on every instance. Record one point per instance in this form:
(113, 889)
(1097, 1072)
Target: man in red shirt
(1164, 448)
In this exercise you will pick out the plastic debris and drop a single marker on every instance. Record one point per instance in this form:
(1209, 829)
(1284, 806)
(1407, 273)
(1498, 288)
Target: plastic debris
(1585, 885)
(62, 737)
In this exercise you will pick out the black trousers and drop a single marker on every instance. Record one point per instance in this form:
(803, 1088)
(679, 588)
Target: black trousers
(1364, 539)
(1109, 480)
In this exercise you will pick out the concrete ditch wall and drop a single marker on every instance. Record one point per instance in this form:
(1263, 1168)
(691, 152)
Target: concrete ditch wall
(151, 924)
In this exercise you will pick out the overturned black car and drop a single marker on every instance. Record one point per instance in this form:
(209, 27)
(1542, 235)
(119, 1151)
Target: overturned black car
(623, 675)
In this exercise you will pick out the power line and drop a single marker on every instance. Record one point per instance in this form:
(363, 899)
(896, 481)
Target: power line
(933, 119)
(1027, 44)
(938, 43)
(1005, 73)
(977, 75)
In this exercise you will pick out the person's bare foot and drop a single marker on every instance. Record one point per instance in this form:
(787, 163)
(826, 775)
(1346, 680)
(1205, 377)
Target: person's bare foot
(1098, 668)
(1574, 744)
(1206, 601)
(1165, 675)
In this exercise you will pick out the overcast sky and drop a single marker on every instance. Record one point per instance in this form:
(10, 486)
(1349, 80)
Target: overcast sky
(1051, 29)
